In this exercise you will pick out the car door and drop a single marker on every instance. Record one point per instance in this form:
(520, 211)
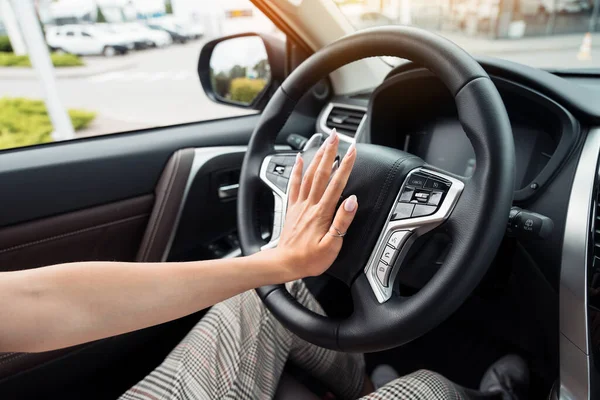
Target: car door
(70, 41)
(143, 193)
(90, 43)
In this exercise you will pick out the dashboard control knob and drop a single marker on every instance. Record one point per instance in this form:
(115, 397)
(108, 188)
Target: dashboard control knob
(526, 224)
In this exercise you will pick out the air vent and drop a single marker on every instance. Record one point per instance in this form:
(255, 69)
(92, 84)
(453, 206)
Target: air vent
(346, 120)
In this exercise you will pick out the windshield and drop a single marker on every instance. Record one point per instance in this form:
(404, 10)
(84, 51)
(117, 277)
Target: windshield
(551, 34)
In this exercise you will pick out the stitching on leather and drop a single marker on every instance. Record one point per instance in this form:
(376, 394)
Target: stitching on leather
(163, 205)
(64, 235)
(16, 356)
(5, 355)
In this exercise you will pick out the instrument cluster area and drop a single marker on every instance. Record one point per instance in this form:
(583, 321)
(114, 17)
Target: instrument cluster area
(414, 111)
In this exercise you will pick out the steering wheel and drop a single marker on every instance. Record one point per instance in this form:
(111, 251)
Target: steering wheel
(401, 198)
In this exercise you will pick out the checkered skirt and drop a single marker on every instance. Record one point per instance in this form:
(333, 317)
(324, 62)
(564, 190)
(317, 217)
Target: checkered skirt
(238, 351)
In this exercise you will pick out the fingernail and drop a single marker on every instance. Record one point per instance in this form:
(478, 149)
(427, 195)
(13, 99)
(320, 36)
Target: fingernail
(298, 157)
(332, 136)
(351, 149)
(351, 204)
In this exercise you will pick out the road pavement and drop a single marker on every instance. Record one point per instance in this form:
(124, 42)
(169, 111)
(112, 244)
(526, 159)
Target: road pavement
(160, 87)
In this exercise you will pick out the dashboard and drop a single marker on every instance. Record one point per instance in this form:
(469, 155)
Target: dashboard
(414, 112)
(555, 122)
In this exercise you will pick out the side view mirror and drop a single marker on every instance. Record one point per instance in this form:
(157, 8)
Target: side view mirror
(242, 70)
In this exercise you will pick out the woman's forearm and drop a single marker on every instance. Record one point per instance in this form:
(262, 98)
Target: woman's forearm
(64, 305)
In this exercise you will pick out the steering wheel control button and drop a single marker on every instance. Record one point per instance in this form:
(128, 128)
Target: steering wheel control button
(402, 211)
(383, 273)
(279, 169)
(435, 198)
(422, 196)
(289, 160)
(388, 255)
(278, 203)
(395, 241)
(407, 195)
(423, 210)
(281, 183)
(436, 184)
(277, 219)
(276, 232)
(417, 180)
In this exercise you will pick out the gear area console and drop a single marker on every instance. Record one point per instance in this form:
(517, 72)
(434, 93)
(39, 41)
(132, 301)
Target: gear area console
(424, 202)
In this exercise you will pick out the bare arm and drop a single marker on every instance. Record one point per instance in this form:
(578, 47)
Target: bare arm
(68, 304)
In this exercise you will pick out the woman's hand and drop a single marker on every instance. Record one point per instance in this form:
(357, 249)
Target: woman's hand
(310, 241)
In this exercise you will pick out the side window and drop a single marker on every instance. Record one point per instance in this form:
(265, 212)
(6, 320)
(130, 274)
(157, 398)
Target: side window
(139, 72)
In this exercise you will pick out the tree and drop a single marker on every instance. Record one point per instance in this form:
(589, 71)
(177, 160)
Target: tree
(222, 82)
(237, 71)
(263, 69)
(100, 16)
(168, 7)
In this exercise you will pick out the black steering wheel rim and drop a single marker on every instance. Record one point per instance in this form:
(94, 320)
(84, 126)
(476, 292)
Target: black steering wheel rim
(478, 220)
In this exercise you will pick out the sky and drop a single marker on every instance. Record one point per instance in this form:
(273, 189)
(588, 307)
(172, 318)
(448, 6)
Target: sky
(244, 51)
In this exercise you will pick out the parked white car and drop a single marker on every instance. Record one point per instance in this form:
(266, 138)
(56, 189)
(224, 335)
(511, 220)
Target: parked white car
(86, 40)
(193, 29)
(141, 36)
(171, 26)
(155, 38)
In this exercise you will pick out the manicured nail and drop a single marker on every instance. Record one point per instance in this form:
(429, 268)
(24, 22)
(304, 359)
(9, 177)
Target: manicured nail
(351, 203)
(351, 149)
(332, 136)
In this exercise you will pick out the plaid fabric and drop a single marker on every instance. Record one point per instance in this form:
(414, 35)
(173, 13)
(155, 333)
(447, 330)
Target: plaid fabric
(419, 385)
(238, 351)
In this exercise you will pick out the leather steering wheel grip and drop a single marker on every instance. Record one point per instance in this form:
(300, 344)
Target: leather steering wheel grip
(476, 224)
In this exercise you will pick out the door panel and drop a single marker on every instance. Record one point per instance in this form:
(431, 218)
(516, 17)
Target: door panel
(108, 232)
(146, 195)
(60, 177)
(170, 192)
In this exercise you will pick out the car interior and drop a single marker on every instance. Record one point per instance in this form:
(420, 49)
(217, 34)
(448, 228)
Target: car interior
(476, 237)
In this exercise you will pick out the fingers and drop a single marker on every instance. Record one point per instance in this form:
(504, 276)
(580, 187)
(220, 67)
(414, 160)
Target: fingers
(307, 180)
(323, 172)
(340, 178)
(343, 218)
(295, 180)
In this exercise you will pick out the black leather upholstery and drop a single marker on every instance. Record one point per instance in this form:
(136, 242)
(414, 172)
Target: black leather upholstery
(476, 225)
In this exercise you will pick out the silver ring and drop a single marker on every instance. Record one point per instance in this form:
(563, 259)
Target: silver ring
(338, 232)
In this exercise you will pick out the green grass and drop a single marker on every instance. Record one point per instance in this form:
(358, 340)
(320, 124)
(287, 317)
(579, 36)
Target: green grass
(5, 44)
(25, 122)
(59, 60)
(245, 90)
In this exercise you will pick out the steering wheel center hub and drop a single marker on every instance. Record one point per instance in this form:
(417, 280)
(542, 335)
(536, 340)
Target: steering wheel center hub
(376, 178)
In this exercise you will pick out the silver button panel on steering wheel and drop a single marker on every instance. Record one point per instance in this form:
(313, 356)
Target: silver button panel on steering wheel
(275, 172)
(425, 201)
